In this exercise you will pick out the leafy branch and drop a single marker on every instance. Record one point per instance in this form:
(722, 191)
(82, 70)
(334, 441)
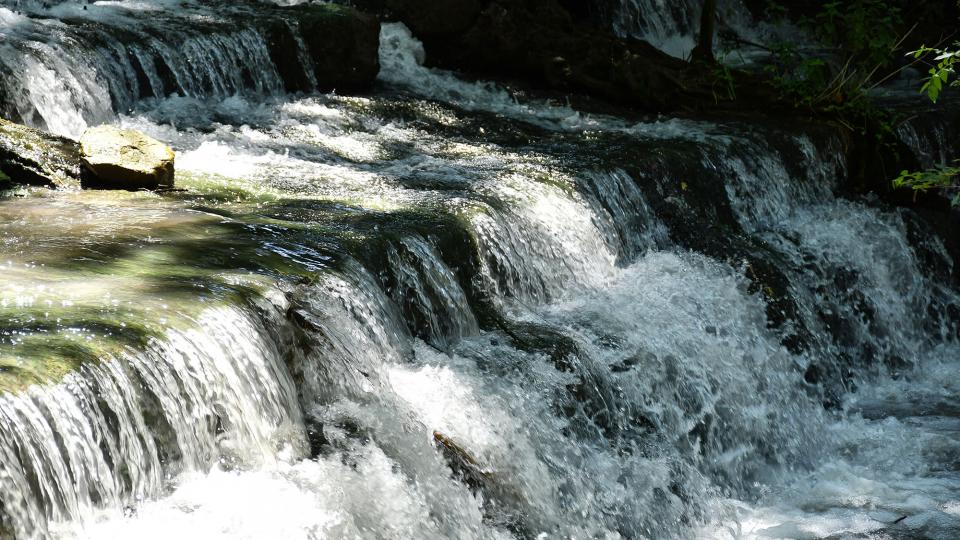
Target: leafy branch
(941, 72)
(941, 178)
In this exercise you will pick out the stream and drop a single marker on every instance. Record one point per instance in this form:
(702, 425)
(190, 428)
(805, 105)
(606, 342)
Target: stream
(439, 310)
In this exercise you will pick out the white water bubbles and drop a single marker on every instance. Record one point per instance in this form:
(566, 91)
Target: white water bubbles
(674, 25)
(402, 59)
(889, 472)
(92, 64)
(625, 215)
(763, 190)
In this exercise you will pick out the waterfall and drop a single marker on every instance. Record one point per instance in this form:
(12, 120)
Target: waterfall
(110, 434)
(83, 68)
(441, 310)
(672, 26)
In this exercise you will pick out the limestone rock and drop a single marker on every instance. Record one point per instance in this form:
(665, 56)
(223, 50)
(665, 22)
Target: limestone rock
(125, 159)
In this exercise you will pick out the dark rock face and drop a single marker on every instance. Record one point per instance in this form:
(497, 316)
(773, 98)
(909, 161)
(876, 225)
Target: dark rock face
(341, 42)
(559, 46)
(542, 43)
(441, 19)
(30, 156)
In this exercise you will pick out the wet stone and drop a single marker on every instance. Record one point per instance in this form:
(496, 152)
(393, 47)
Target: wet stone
(31, 156)
(125, 159)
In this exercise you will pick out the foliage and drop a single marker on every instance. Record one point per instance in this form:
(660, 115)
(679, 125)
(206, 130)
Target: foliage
(803, 80)
(867, 30)
(943, 178)
(724, 87)
(941, 72)
(860, 37)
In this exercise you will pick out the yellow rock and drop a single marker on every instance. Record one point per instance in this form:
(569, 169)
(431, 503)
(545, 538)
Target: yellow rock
(125, 159)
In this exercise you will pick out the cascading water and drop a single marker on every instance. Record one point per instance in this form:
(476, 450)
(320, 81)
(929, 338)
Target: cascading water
(398, 318)
(77, 63)
(672, 26)
(110, 434)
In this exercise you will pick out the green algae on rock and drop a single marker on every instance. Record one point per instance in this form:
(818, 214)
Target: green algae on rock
(120, 272)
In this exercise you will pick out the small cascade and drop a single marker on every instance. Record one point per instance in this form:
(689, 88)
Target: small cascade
(625, 214)
(854, 270)
(430, 294)
(353, 330)
(402, 57)
(539, 240)
(867, 289)
(111, 434)
(672, 26)
(929, 138)
(758, 192)
(928, 130)
(87, 65)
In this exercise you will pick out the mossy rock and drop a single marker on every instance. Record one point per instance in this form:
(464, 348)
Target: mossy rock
(124, 270)
(33, 157)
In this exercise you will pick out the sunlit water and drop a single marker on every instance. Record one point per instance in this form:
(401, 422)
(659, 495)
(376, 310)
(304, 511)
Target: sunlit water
(309, 360)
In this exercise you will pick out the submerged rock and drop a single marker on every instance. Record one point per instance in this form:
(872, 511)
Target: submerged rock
(463, 463)
(30, 156)
(125, 159)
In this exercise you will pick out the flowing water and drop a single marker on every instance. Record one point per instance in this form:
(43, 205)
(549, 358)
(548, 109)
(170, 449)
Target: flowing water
(439, 312)
(673, 26)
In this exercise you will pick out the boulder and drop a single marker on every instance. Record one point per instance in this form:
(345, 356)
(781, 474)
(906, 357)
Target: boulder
(125, 159)
(30, 156)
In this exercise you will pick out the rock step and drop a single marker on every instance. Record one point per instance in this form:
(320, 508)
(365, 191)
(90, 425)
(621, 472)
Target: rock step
(106, 157)
(216, 50)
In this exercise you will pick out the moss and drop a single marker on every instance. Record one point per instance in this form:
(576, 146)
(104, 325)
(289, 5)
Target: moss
(47, 349)
(217, 189)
